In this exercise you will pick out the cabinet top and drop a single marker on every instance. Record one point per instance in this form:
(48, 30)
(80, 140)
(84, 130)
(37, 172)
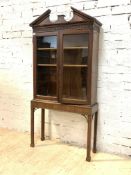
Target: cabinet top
(78, 17)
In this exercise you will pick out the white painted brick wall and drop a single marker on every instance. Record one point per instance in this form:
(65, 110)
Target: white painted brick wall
(114, 75)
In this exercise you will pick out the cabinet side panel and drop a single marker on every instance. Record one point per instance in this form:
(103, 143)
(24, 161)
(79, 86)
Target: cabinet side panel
(94, 67)
(34, 66)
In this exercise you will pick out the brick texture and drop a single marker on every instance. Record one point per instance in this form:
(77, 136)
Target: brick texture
(114, 82)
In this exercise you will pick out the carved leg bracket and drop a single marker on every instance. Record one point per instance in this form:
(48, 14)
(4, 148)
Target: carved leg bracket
(85, 116)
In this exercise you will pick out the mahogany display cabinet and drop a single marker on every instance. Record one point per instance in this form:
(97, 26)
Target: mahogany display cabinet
(65, 56)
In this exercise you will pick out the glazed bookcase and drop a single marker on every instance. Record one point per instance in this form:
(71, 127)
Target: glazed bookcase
(65, 66)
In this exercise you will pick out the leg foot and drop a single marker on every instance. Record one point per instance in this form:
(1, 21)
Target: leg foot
(32, 145)
(94, 150)
(88, 159)
(42, 138)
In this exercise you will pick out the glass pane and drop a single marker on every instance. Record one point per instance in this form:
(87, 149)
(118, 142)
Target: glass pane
(74, 82)
(75, 49)
(75, 56)
(46, 81)
(77, 40)
(46, 49)
(46, 56)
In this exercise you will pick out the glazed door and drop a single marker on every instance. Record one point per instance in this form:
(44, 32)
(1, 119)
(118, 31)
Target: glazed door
(46, 66)
(74, 68)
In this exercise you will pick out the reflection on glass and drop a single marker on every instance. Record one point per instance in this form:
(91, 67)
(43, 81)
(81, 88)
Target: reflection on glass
(47, 49)
(46, 56)
(46, 81)
(74, 83)
(47, 42)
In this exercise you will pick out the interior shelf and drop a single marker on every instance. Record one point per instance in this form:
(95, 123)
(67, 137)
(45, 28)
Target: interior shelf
(68, 48)
(46, 48)
(73, 65)
(49, 65)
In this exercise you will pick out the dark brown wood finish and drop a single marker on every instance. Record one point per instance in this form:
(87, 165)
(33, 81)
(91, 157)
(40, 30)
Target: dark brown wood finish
(32, 126)
(75, 82)
(95, 132)
(95, 45)
(89, 120)
(34, 66)
(35, 48)
(74, 101)
(42, 124)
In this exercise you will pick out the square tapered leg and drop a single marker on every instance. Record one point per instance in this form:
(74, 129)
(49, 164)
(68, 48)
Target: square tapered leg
(95, 132)
(32, 127)
(42, 124)
(88, 157)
